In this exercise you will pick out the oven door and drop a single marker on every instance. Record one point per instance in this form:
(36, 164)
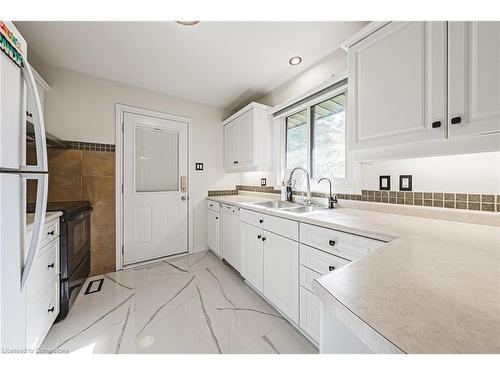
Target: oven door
(78, 240)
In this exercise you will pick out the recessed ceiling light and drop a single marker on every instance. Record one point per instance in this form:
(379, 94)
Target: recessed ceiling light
(187, 23)
(296, 60)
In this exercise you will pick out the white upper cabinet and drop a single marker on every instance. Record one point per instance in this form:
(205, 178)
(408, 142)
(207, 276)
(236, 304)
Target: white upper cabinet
(248, 140)
(415, 82)
(474, 78)
(397, 84)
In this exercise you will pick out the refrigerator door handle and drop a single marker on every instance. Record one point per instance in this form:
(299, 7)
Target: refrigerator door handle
(38, 223)
(38, 122)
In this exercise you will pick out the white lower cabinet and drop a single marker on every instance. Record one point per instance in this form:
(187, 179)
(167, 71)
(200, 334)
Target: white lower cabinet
(309, 313)
(214, 231)
(253, 255)
(281, 274)
(230, 236)
(42, 289)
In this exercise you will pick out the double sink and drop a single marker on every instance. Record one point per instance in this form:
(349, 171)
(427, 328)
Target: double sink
(288, 206)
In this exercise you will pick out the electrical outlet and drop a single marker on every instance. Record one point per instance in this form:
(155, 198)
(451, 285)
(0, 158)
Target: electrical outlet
(384, 182)
(263, 182)
(405, 183)
(199, 166)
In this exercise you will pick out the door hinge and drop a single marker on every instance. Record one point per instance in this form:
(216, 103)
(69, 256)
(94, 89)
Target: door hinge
(123, 251)
(123, 126)
(122, 188)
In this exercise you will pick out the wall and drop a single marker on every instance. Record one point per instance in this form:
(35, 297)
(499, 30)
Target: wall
(470, 173)
(81, 107)
(76, 175)
(333, 64)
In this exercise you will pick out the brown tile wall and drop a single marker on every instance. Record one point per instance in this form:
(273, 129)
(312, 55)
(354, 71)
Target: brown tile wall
(76, 174)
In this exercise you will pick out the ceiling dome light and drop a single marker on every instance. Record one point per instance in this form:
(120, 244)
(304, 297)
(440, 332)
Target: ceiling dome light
(187, 23)
(296, 60)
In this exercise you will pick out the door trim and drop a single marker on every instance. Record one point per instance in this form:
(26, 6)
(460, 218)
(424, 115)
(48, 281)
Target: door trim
(120, 111)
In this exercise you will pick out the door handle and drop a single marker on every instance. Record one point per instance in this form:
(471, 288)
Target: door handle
(259, 237)
(51, 310)
(183, 198)
(51, 233)
(331, 243)
(36, 237)
(51, 265)
(331, 268)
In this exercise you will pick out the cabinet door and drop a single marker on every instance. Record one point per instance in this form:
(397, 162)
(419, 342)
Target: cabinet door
(245, 139)
(474, 77)
(230, 234)
(309, 313)
(252, 255)
(214, 231)
(397, 85)
(230, 144)
(281, 274)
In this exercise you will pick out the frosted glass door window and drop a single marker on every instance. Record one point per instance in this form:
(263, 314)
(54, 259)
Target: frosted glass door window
(156, 160)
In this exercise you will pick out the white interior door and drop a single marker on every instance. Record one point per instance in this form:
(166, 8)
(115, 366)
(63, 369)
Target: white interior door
(155, 188)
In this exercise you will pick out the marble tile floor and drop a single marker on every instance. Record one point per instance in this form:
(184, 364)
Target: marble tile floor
(195, 304)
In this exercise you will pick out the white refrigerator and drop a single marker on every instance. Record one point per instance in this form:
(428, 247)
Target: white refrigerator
(16, 257)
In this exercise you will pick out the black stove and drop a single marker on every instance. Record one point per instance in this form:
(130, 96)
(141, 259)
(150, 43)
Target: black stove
(74, 249)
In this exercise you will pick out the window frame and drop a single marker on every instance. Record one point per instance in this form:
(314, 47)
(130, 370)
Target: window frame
(349, 162)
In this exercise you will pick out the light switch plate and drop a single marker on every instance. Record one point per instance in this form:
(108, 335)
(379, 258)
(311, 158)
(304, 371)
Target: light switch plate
(405, 183)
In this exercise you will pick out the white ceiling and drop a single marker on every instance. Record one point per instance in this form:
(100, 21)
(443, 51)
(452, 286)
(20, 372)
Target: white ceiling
(213, 62)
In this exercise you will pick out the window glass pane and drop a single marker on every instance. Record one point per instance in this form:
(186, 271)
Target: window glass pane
(296, 140)
(328, 140)
(156, 160)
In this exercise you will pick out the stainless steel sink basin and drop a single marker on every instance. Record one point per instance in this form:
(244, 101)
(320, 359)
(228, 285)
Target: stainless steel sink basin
(306, 209)
(279, 205)
(289, 206)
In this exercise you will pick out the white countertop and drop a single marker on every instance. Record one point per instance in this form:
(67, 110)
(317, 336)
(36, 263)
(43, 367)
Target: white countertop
(49, 216)
(433, 288)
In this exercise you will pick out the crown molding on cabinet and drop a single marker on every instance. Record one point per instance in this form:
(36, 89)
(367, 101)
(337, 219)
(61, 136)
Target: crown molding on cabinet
(248, 107)
(363, 33)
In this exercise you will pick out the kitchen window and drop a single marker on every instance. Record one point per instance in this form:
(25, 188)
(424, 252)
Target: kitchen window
(315, 138)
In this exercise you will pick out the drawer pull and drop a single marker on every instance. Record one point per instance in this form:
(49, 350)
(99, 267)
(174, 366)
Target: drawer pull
(436, 124)
(51, 310)
(261, 221)
(263, 238)
(259, 237)
(456, 120)
(51, 265)
(331, 268)
(331, 243)
(51, 233)
(216, 218)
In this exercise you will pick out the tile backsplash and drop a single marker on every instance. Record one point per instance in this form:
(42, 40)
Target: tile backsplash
(464, 201)
(82, 174)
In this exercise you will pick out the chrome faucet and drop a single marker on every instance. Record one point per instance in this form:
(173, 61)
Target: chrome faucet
(307, 199)
(332, 199)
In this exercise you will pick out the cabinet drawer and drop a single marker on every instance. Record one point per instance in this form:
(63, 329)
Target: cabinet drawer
(320, 261)
(214, 206)
(41, 313)
(309, 313)
(50, 231)
(45, 268)
(228, 208)
(283, 227)
(307, 276)
(348, 246)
